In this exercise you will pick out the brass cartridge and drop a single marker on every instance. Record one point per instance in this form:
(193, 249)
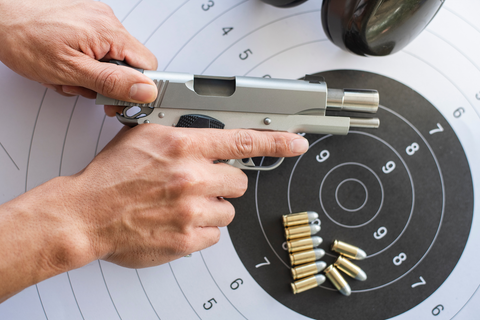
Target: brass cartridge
(306, 270)
(350, 269)
(303, 244)
(348, 250)
(306, 256)
(301, 231)
(295, 219)
(337, 280)
(308, 283)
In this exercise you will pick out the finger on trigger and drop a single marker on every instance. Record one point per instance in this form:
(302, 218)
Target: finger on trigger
(241, 143)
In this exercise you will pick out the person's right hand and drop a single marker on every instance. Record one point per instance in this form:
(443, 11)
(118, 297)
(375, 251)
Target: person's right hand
(154, 194)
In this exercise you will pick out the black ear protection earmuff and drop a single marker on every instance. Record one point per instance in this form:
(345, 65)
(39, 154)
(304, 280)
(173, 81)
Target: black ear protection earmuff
(372, 27)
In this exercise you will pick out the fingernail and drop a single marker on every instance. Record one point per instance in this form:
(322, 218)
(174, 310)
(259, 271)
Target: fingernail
(68, 90)
(143, 92)
(299, 146)
(49, 86)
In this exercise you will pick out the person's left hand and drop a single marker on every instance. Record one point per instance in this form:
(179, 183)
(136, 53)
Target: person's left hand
(59, 43)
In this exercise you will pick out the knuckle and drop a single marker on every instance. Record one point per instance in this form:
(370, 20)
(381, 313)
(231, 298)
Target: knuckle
(107, 81)
(179, 143)
(215, 238)
(280, 144)
(187, 182)
(186, 212)
(229, 215)
(241, 185)
(243, 143)
(103, 8)
(184, 244)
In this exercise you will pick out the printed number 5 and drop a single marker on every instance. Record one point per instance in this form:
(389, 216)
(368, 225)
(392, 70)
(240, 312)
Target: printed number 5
(209, 305)
(245, 54)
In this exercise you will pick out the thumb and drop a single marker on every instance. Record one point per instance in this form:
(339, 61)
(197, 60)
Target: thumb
(117, 82)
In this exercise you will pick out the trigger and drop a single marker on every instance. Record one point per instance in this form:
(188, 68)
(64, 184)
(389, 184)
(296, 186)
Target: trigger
(248, 162)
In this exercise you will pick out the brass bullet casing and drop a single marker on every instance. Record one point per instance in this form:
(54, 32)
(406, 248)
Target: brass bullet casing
(350, 269)
(306, 256)
(306, 270)
(303, 244)
(307, 283)
(302, 231)
(296, 219)
(337, 280)
(348, 250)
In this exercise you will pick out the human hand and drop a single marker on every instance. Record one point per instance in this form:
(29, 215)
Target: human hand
(59, 42)
(154, 194)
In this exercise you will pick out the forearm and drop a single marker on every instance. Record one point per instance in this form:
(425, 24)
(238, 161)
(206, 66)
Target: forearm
(40, 237)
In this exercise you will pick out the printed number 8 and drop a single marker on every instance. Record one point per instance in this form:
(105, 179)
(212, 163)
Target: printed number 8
(411, 149)
(399, 259)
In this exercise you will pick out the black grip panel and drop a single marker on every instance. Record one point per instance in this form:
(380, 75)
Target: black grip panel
(199, 121)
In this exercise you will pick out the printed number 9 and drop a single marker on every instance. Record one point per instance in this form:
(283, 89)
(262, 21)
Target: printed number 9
(389, 167)
(380, 233)
(324, 155)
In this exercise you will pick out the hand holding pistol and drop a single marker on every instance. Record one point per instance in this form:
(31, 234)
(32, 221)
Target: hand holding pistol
(186, 100)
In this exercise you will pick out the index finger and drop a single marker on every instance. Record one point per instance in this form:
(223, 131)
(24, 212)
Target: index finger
(244, 143)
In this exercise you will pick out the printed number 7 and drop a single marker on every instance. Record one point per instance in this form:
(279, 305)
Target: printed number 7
(266, 263)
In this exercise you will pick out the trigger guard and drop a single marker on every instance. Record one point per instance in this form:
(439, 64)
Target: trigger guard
(251, 166)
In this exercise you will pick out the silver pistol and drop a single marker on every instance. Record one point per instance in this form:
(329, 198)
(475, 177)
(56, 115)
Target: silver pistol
(186, 100)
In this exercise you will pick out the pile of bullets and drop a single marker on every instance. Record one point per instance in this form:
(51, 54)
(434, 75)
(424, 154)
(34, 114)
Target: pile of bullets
(305, 256)
(302, 248)
(346, 251)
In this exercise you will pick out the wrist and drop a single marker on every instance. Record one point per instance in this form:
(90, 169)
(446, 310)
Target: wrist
(45, 231)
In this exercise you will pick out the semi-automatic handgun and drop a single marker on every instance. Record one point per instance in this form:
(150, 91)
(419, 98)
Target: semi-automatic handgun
(186, 100)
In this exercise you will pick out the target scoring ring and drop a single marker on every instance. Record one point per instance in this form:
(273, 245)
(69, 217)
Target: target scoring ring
(402, 252)
(340, 201)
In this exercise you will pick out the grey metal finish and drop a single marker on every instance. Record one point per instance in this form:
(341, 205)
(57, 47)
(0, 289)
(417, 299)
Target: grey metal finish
(251, 103)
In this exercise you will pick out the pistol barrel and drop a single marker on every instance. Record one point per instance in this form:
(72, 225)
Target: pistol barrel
(372, 123)
(356, 100)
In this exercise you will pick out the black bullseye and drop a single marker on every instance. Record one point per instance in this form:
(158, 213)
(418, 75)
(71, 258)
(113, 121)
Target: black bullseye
(344, 191)
(352, 193)
(394, 192)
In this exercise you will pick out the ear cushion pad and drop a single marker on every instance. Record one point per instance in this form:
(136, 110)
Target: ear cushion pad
(284, 3)
(377, 27)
